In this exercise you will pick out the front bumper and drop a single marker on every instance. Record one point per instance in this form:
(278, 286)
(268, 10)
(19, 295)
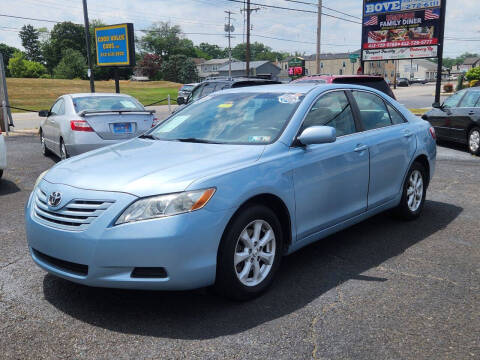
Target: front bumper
(184, 245)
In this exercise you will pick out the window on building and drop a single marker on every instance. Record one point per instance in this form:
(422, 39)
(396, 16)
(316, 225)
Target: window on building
(340, 71)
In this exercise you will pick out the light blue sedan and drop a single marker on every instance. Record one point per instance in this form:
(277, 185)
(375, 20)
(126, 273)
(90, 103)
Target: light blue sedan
(219, 192)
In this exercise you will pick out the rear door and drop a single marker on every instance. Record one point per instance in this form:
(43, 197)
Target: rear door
(391, 145)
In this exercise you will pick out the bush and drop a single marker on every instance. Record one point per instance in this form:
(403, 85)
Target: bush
(72, 65)
(45, 76)
(448, 88)
(21, 68)
(473, 74)
(34, 69)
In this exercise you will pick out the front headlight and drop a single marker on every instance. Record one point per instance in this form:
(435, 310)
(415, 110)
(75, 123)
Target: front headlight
(40, 177)
(165, 205)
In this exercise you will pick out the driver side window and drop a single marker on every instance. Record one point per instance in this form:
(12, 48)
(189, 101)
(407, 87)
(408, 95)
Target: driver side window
(332, 109)
(453, 100)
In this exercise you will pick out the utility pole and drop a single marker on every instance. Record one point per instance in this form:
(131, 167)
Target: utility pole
(229, 29)
(87, 41)
(247, 51)
(319, 34)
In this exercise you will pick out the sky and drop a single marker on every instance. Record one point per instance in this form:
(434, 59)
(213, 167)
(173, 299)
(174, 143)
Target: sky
(295, 31)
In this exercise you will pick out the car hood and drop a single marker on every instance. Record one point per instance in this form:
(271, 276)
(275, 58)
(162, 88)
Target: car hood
(145, 167)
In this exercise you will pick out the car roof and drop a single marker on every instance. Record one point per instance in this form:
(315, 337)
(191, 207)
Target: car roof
(77, 95)
(323, 77)
(239, 79)
(275, 88)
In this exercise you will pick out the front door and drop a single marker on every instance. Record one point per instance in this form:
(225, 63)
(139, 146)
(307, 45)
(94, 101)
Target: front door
(330, 180)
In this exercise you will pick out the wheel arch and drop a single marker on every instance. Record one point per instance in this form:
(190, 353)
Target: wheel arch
(276, 204)
(423, 159)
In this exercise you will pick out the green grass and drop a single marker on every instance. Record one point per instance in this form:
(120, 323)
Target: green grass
(39, 94)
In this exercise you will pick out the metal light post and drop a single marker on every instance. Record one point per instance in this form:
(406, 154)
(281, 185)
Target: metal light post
(87, 42)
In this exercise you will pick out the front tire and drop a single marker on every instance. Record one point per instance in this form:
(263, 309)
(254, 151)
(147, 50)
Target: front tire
(414, 192)
(249, 254)
(474, 141)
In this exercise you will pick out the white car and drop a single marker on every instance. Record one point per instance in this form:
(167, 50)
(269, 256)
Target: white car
(3, 154)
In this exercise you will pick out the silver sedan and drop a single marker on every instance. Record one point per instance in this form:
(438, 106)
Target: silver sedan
(78, 123)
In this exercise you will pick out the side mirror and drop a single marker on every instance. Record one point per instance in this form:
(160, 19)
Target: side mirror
(437, 105)
(318, 135)
(180, 100)
(43, 113)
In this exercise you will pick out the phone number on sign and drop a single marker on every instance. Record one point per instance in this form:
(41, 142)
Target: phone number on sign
(394, 44)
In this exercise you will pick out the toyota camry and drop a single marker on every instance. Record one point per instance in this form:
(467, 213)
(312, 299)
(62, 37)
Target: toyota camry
(219, 192)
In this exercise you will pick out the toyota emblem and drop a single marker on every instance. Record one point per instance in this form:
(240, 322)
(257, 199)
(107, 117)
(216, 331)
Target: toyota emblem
(54, 199)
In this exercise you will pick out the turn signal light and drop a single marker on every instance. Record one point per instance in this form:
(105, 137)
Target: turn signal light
(80, 125)
(432, 132)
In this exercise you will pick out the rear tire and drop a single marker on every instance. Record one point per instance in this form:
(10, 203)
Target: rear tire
(249, 254)
(474, 141)
(1, 173)
(414, 192)
(45, 150)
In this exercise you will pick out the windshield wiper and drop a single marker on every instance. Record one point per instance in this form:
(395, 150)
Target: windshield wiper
(195, 140)
(148, 136)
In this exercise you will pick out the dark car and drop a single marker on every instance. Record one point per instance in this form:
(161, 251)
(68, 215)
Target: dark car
(403, 82)
(375, 82)
(418, 81)
(209, 86)
(458, 119)
(185, 90)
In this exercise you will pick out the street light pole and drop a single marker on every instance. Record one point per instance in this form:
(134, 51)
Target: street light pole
(87, 42)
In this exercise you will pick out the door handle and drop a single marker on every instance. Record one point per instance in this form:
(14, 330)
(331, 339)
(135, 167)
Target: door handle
(471, 113)
(361, 148)
(407, 134)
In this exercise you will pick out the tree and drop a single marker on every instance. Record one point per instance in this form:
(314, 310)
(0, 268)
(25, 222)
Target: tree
(150, 65)
(71, 66)
(473, 74)
(258, 51)
(7, 53)
(180, 69)
(209, 51)
(29, 36)
(65, 35)
(22, 68)
(165, 40)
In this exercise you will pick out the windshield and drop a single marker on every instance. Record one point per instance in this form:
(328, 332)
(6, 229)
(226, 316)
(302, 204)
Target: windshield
(105, 103)
(236, 118)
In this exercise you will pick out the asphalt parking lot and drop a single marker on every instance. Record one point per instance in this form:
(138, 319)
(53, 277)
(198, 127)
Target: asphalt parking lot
(383, 289)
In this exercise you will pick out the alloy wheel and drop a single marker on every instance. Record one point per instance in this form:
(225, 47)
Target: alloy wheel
(415, 190)
(254, 253)
(474, 141)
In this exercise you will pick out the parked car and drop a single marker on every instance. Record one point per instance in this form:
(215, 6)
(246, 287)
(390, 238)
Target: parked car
(77, 123)
(3, 154)
(185, 90)
(218, 193)
(418, 81)
(209, 86)
(458, 119)
(403, 82)
(374, 82)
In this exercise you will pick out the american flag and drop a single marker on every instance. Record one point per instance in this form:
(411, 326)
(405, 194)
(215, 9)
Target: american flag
(432, 14)
(372, 20)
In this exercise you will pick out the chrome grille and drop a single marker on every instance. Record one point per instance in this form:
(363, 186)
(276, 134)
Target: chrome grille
(75, 215)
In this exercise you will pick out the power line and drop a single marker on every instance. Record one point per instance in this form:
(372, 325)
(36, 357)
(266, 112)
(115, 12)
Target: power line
(325, 7)
(298, 10)
(26, 18)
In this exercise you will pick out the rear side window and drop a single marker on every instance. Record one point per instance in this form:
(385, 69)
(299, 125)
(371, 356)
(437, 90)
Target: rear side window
(470, 99)
(332, 109)
(58, 108)
(395, 115)
(373, 112)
